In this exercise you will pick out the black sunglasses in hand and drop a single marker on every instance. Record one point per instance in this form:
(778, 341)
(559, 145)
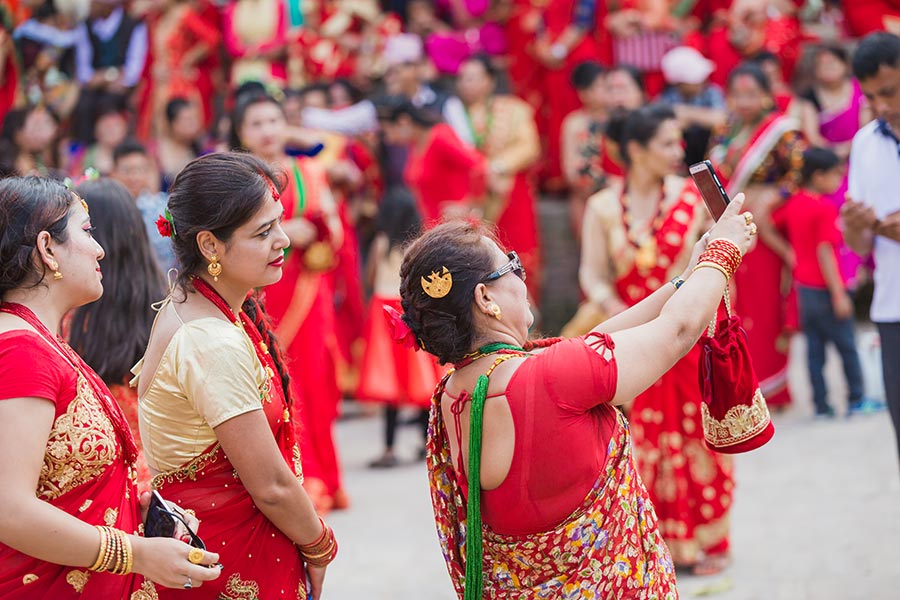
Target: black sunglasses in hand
(158, 526)
(513, 266)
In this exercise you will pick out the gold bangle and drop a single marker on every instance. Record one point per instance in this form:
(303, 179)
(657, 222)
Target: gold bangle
(712, 265)
(129, 554)
(104, 540)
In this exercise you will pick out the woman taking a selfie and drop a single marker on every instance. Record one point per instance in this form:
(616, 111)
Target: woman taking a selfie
(213, 395)
(71, 512)
(638, 235)
(564, 511)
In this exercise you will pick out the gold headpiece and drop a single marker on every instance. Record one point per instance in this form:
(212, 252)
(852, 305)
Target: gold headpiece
(438, 285)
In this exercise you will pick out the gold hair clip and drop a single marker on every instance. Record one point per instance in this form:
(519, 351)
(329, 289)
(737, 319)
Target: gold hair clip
(83, 203)
(438, 285)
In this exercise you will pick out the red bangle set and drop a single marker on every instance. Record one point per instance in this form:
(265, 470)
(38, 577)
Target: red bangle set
(322, 551)
(721, 254)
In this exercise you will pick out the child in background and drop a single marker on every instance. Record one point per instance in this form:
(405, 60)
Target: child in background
(826, 308)
(391, 373)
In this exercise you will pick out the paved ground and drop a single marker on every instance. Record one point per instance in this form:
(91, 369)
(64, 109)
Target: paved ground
(816, 513)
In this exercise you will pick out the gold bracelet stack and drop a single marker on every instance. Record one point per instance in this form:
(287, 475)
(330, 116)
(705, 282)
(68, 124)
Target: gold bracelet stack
(322, 551)
(722, 255)
(116, 555)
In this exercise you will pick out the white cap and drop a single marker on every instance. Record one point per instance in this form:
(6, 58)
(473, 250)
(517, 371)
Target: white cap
(686, 65)
(403, 48)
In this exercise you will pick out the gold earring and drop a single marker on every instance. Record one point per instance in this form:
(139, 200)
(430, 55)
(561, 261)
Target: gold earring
(214, 268)
(497, 312)
(56, 274)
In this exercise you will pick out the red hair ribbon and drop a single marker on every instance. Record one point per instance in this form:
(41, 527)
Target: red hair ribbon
(400, 331)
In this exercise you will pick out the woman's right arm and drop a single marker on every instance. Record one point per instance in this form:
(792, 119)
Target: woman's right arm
(248, 443)
(644, 353)
(45, 532)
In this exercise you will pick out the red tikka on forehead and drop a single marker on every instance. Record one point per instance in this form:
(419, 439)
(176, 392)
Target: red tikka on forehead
(276, 195)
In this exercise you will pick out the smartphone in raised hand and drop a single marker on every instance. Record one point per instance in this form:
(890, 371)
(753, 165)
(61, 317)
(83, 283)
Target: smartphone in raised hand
(711, 189)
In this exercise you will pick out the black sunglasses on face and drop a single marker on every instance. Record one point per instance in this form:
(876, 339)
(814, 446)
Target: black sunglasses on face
(513, 266)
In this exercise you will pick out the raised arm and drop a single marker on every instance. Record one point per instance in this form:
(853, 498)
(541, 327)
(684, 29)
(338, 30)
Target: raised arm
(645, 352)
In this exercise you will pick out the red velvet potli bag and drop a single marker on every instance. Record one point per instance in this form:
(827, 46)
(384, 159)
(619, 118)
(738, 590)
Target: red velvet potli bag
(735, 416)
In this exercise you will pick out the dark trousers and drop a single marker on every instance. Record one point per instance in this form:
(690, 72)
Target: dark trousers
(820, 327)
(890, 367)
(392, 420)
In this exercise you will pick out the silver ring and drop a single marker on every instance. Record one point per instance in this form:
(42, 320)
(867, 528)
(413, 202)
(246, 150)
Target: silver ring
(188, 584)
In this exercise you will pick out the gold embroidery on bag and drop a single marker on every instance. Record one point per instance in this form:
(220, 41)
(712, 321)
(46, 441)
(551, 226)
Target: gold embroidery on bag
(740, 423)
(81, 446)
(77, 579)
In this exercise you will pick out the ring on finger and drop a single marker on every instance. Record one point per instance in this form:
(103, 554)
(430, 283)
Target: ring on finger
(752, 228)
(748, 218)
(188, 584)
(196, 556)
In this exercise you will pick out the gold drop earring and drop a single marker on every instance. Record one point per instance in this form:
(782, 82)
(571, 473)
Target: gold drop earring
(214, 268)
(56, 274)
(495, 309)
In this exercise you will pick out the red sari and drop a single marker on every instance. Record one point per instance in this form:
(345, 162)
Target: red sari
(301, 306)
(771, 157)
(689, 485)
(88, 470)
(259, 560)
(549, 91)
(443, 171)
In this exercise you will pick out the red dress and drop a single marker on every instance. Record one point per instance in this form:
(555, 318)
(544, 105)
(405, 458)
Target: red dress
(443, 170)
(87, 470)
(301, 306)
(572, 518)
(770, 158)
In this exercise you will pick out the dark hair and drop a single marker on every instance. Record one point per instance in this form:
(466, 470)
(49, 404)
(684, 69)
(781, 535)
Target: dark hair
(585, 74)
(175, 106)
(445, 326)
(352, 90)
(111, 334)
(637, 126)
(485, 61)
(874, 51)
(751, 69)
(13, 123)
(632, 72)
(398, 217)
(816, 159)
(836, 50)
(28, 206)
(245, 102)
(765, 56)
(423, 117)
(218, 193)
(127, 148)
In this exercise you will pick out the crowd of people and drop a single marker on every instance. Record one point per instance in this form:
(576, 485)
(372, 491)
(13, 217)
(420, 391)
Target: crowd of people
(252, 172)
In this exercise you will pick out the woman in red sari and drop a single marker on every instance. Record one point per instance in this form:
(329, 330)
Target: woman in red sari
(301, 303)
(214, 401)
(111, 334)
(761, 153)
(505, 134)
(533, 483)
(66, 453)
(447, 177)
(638, 234)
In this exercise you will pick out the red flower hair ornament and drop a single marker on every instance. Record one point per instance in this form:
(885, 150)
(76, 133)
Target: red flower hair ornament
(165, 224)
(400, 331)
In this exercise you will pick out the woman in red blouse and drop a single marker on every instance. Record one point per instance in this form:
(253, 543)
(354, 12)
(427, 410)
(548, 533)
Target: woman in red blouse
(66, 453)
(563, 513)
(445, 174)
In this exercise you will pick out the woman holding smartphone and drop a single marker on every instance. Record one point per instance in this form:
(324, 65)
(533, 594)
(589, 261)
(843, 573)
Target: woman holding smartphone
(637, 238)
(71, 511)
(214, 398)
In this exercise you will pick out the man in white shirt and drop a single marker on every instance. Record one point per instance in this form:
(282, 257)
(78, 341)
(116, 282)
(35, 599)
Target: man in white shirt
(871, 215)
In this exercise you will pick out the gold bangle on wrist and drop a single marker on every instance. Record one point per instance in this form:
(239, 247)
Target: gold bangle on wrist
(712, 265)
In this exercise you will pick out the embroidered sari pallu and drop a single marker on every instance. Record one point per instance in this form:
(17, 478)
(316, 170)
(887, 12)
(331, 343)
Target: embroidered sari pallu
(607, 548)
